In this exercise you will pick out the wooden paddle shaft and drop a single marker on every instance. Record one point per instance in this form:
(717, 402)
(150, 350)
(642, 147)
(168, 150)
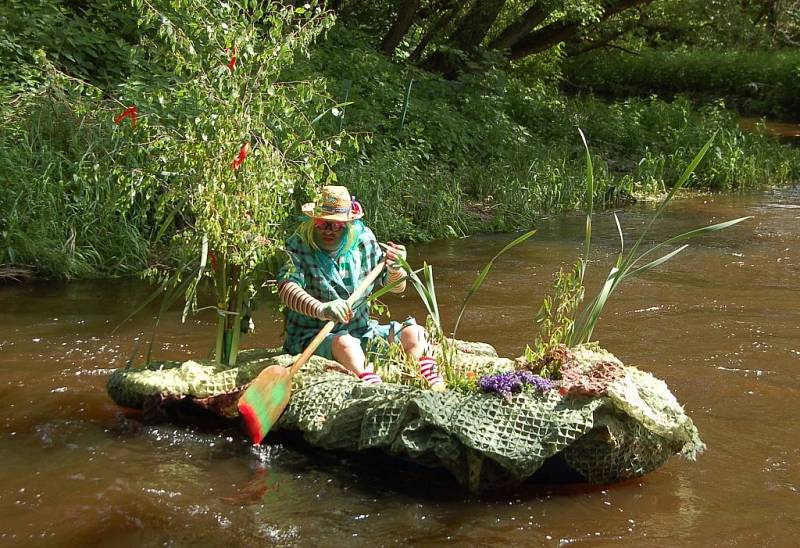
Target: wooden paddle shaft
(325, 331)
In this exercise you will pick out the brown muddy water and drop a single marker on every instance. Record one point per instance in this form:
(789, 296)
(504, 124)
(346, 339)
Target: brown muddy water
(786, 130)
(720, 323)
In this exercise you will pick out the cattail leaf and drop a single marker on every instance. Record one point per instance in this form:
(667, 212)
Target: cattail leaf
(655, 263)
(380, 292)
(589, 196)
(485, 272)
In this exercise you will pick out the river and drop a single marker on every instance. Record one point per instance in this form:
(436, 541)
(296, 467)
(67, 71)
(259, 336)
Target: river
(720, 324)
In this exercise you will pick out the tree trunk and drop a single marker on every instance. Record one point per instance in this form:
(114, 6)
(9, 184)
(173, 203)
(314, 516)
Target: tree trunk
(471, 31)
(543, 39)
(405, 18)
(531, 19)
(432, 31)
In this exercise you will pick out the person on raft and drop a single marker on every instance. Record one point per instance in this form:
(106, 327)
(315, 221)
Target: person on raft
(329, 254)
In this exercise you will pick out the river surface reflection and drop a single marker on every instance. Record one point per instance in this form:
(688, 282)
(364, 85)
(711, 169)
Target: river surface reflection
(720, 324)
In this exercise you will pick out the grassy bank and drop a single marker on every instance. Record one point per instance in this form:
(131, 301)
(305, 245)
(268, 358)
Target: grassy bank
(492, 154)
(755, 83)
(438, 158)
(65, 211)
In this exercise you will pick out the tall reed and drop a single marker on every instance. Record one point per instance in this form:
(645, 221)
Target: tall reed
(575, 322)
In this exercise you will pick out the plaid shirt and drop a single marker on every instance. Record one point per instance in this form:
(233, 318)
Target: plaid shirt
(326, 278)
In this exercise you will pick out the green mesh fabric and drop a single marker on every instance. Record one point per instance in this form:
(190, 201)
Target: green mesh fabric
(629, 432)
(618, 448)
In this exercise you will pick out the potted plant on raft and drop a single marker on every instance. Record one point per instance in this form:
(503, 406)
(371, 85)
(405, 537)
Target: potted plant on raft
(229, 145)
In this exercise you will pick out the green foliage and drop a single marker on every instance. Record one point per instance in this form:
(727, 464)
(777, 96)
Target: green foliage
(556, 316)
(562, 318)
(493, 151)
(723, 24)
(67, 212)
(230, 143)
(87, 40)
(759, 83)
(630, 264)
(426, 290)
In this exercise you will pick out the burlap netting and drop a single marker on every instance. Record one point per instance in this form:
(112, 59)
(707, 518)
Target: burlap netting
(481, 439)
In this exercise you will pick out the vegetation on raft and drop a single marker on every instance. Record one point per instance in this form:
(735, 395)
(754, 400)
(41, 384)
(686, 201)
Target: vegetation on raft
(564, 321)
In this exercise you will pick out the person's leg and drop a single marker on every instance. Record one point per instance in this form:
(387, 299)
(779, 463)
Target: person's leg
(414, 340)
(347, 350)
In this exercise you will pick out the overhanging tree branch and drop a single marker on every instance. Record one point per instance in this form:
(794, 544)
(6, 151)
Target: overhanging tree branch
(469, 34)
(561, 31)
(529, 20)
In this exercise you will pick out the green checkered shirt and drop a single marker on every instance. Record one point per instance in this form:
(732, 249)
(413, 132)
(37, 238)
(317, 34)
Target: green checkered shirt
(327, 278)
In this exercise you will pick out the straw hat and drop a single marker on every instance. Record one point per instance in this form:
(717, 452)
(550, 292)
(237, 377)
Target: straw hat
(334, 204)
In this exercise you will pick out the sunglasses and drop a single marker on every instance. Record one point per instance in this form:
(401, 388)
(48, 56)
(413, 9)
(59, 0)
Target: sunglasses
(333, 226)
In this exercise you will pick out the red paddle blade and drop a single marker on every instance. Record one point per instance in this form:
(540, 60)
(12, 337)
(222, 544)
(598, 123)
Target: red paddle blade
(263, 402)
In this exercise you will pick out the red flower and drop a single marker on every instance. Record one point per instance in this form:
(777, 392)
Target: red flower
(232, 63)
(355, 208)
(241, 156)
(213, 260)
(128, 112)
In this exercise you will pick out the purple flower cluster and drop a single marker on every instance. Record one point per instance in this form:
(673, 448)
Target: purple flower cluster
(512, 382)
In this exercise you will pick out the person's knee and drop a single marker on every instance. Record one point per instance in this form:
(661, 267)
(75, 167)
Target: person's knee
(413, 335)
(346, 344)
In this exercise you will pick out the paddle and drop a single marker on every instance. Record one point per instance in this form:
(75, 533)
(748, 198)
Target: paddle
(263, 402)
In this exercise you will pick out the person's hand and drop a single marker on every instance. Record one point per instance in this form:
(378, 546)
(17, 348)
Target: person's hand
(392, 253)
(337, 310)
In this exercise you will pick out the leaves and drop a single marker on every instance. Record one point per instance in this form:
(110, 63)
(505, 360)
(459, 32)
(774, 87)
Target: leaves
(230, 145)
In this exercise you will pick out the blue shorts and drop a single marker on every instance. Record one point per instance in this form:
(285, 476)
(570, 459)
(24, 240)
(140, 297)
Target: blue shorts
(374, 331)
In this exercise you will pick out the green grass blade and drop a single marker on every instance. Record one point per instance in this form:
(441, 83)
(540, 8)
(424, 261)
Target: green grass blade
(596, 307)
(485, 272)
(707, 229)
(432, 292)
(621, 237)
(380, 292)
(169, 299)
(427, 299)
(192, 289)
(681, 181)
(655, 263)
(589, 197)
(692, 234)
(150, 298)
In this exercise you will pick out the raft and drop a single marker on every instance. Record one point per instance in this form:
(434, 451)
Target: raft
(629, 427)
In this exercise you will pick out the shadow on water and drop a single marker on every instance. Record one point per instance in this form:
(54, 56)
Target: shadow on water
(375, 473)
(372, 472)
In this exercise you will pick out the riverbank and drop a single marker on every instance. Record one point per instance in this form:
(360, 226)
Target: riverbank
(753, 82)
(437, 159)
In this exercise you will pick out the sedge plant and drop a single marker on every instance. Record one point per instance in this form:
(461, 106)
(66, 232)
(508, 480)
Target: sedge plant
(570, 322)
(425, 288)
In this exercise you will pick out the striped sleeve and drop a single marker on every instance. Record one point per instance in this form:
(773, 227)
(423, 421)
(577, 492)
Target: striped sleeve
(395, 275)
(297, 299)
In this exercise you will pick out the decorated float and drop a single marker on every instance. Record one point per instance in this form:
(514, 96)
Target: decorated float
(498, 425)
